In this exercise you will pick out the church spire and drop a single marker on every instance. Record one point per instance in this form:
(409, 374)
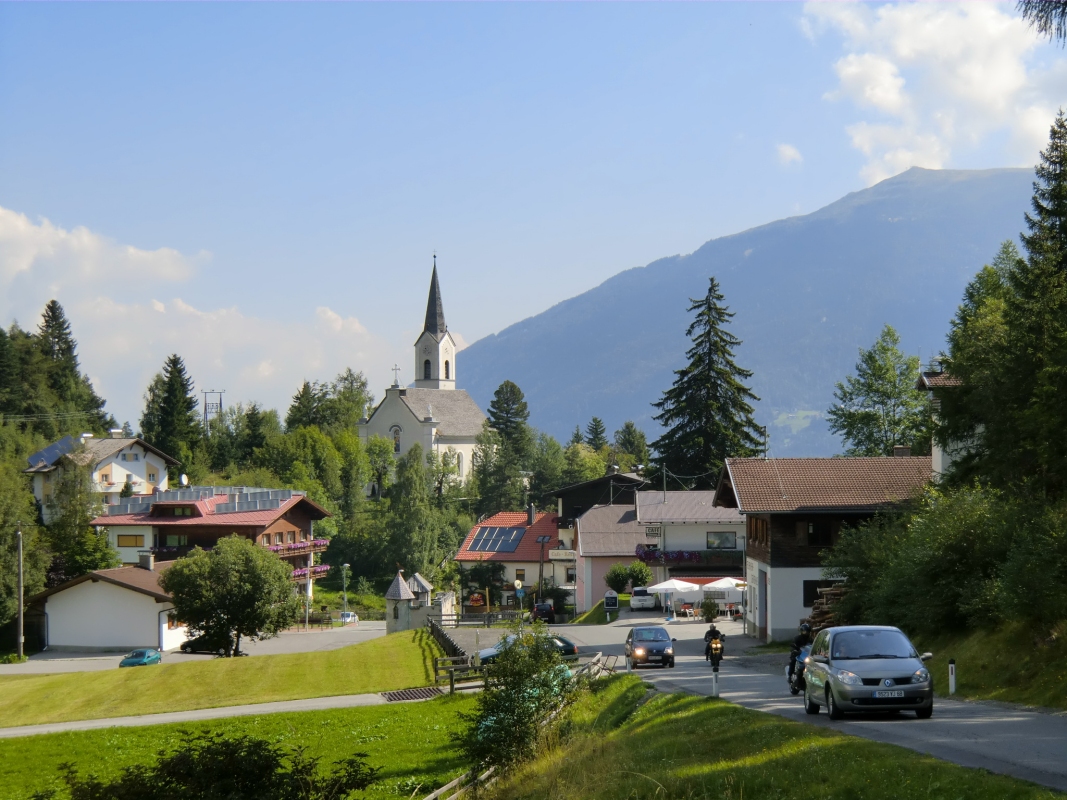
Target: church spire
(435, 310)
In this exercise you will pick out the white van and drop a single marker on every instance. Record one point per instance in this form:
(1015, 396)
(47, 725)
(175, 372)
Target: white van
(641, 600)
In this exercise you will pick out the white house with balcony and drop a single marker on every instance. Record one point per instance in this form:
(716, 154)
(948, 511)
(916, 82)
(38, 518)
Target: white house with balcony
(118, 462)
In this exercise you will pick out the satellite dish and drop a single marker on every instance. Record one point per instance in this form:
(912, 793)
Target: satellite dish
(184, 479)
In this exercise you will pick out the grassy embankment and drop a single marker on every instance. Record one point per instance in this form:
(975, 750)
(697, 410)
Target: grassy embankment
(365, 606)
(397, 661)
(680, 746)
(1002, 664)
(597, 616)
(411, 742)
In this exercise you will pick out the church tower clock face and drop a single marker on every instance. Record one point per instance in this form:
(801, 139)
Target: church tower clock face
(426, 349)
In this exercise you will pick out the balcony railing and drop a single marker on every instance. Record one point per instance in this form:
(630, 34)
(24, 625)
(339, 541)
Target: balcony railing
(316, 572)
(299, 548)
(708, 558)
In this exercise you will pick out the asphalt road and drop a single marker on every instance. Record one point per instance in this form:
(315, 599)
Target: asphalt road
(289, 642)
(1010, 740)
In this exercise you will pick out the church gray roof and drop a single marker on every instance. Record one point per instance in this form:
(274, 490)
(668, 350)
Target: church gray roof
(454, 410)
(435, 310)
(398, 589)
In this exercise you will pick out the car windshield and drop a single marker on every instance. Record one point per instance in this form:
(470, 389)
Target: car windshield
(640, 593)
(650, 635)
(872, 644)
(136, 654)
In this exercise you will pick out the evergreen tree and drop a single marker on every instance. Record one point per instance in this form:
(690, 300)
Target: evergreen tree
(1049, 17)
(254, 433)
(17, 508)
(707, 410)
(350, 397)
(630, 439)
(9, 375)
(380, 459)
(309, 407)
(880, 406)
(576, 437)
(497, 473)
(508, 415)
(580, 464)
(546, 464)
(76, 547)
(596, 435)
(170, 421)
(412, 536)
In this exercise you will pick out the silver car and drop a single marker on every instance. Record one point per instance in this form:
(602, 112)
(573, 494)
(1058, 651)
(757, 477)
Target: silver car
(866, 668)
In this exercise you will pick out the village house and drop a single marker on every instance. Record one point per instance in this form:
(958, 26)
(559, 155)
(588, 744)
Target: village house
(107, 610)
(510, 539)
(118, 463)
(794, 509)
(432, 413)
(170, 524)
(934, 383)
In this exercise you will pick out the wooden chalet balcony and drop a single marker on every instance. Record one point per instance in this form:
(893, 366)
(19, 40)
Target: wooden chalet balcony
(299, 548)
(301, 575)
(705, 558)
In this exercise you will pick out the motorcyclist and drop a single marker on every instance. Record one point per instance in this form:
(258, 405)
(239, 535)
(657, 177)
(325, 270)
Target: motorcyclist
(713, 633)
(801, 640)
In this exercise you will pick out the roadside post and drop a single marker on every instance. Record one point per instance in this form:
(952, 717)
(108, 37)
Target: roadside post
(952, 676)
(520, 593)
(715, 681)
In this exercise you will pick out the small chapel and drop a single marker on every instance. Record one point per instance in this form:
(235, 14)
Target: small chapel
(432, 412)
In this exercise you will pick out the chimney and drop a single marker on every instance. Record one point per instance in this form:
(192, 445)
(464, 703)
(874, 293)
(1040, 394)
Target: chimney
(531, 515)
(901, 451)
(116, 433)
(84, 438)
(145, 560)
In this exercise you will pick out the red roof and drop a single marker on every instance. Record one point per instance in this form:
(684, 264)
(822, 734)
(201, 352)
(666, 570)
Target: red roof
(527, 550)
(208, 516)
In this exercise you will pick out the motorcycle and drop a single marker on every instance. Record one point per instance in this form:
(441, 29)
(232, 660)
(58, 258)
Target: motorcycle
(796, 681)
(714, 651)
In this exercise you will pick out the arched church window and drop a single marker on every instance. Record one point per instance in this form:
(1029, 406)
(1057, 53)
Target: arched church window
(459, 462)
(396, 440)
(426, 370)
(446, 371)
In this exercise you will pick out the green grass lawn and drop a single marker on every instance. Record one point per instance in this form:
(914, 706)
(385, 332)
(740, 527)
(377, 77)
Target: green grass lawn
(597, 616)
(411, 742)
(398, 661)
(1005, 663)
(680, 746)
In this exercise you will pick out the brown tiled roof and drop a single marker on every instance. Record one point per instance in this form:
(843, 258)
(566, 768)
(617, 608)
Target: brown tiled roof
(768, 485)
(207, 515)
(134, 578)
(527, 550)
(678, 507)
(938, 380)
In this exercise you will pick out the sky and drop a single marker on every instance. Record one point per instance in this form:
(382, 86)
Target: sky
(261, 188)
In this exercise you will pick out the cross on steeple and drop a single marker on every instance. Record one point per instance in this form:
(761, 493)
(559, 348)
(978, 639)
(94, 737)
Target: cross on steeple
(396, 375)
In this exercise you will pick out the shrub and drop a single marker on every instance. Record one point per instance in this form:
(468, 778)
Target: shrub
(640, 574)
(618, 577)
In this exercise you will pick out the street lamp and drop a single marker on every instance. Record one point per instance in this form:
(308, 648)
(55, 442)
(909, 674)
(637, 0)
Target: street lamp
(344, 589)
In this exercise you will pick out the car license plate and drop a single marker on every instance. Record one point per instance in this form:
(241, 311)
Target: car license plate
(655, 658)
(891, 693)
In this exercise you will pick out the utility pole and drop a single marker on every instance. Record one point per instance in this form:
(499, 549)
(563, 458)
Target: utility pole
(541, 540)
(19, 645)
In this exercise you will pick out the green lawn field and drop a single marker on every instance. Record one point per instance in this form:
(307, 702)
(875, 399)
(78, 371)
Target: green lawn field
(398, 661)
(680, 746)
(411, 742)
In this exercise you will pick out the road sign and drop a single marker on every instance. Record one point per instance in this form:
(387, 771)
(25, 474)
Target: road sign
(518, 585)
(520, 593)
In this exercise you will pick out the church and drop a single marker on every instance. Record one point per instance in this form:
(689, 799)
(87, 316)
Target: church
(433, 412)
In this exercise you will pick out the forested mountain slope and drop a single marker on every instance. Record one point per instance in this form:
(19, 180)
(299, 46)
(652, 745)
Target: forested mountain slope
(808, 291)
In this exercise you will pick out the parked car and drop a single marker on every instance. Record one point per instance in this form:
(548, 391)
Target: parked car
(141, 658)
(349, 617)
(544, 611)
(641, 600)
(649, 644)
(866, 668)
(205, 643)
(566, 648)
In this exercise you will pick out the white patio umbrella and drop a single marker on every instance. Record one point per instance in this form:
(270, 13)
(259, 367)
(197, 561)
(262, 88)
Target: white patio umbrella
(724, 583)
(672, 585)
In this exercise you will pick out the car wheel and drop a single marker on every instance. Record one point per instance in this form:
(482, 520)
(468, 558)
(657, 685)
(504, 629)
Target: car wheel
(925, 713)
(832, 708)
(221, 651)
(671, 664)
(185, 648)
(810, 706)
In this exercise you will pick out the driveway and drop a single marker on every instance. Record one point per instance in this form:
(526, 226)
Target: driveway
(289, 642)
(1001, 738)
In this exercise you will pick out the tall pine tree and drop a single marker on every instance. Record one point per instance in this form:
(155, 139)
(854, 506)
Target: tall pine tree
(596, 435)
(170, 421)
(707, 411)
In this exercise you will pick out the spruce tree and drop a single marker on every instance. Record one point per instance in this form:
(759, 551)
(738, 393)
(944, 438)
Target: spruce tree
(9, 375)
(576, 437)
(72, 390)
(596, 435)
(707, 411)
(630, 439)
(170, 421)
(508, 415)
(306, 408)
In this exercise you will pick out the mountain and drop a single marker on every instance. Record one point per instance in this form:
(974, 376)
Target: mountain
(807, 291)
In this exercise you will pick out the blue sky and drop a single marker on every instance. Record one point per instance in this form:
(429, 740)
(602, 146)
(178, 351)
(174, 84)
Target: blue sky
(260, 187)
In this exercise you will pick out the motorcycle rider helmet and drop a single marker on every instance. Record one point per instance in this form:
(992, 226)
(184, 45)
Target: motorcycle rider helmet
(805, 628)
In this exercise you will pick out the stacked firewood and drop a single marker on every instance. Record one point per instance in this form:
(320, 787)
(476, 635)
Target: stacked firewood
(822, 610)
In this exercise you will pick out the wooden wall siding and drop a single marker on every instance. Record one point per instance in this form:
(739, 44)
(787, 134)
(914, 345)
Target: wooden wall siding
(790, 546)
(757, 537)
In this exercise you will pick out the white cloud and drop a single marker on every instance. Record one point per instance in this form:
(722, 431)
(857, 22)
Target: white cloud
(128, 310)
(787, 154)
(937, 78)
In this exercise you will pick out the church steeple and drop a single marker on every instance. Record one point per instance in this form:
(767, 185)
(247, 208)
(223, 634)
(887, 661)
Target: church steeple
(435, 310)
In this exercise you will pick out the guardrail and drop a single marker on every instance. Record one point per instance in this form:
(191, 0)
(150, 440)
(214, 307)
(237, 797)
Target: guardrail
(448, 644)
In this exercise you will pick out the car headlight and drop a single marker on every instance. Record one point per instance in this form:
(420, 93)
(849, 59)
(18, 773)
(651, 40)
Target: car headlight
(640, 651)
(922, 675)
(669, 651)
(849, 678)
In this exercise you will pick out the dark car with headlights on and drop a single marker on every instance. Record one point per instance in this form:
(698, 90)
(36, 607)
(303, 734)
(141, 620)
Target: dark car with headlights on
(864, 668)
(567, 649)
(650, 645)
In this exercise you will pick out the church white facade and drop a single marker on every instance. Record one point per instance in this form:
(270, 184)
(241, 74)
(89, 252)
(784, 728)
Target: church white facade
(433, 412)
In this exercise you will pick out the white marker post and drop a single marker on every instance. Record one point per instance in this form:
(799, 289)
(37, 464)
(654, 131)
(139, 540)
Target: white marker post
(715, 681)
(952, 676)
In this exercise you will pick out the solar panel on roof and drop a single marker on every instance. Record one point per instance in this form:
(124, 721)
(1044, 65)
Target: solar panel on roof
(496, 540)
